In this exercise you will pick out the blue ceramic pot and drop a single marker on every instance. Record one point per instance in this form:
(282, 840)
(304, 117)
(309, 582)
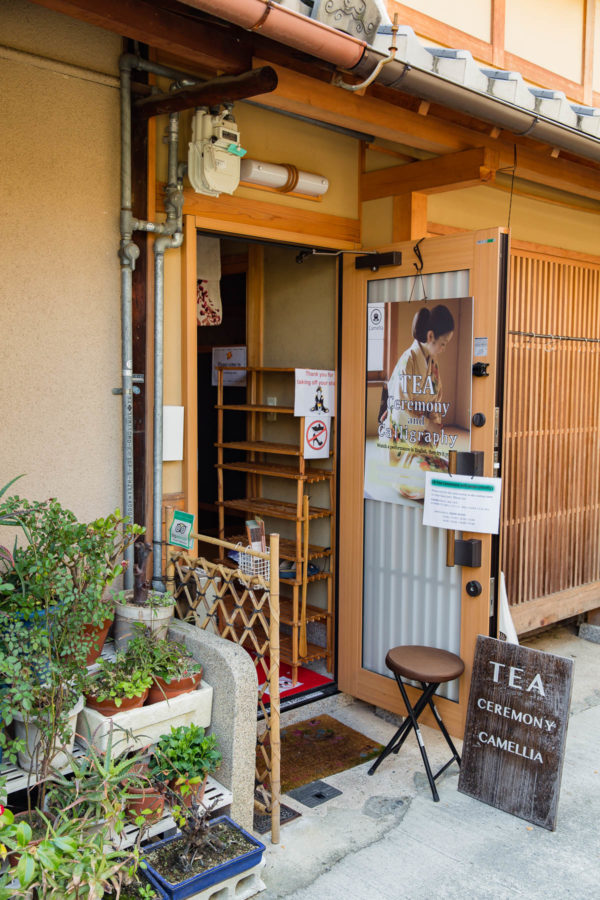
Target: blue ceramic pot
(207, 879)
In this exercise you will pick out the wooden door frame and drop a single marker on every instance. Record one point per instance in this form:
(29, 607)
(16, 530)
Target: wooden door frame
(452, 253)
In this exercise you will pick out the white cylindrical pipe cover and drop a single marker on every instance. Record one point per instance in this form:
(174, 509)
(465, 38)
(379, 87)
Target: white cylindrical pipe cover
(277, 176)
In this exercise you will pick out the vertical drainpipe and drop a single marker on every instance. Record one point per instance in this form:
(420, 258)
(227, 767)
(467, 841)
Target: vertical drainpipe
(172, 237)
(128, 253)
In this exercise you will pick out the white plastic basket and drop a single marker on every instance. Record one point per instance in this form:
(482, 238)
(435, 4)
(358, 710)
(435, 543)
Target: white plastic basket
(253, 565)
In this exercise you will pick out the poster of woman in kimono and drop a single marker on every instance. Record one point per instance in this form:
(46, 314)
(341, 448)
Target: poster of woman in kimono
(419, 362)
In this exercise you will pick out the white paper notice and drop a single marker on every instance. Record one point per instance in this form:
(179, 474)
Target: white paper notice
(229, 356)
(316, 438)
(462, 503)
(315, 392)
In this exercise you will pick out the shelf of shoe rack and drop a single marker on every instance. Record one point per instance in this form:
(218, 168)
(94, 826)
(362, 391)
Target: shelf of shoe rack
(262, 462)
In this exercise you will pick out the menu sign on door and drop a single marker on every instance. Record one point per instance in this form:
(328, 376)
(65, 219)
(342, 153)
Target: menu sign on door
(516, 730)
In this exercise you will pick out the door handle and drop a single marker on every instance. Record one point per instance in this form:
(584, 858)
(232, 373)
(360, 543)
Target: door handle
(460, 552)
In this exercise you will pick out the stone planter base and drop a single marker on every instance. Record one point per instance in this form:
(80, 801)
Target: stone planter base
(238, 887)
(147, 723)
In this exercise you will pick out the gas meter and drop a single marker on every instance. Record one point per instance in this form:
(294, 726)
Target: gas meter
(214, 152)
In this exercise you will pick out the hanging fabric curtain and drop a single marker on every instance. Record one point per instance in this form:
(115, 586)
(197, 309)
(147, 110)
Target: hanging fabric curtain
(208, 273)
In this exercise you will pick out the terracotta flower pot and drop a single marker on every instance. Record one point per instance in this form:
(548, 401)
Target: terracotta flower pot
(108, 707)
(196, 791)
(164, 690)
(143, 798)
(95, 635)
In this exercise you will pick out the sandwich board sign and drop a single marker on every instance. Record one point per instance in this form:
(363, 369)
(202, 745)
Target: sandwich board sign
(516, 730)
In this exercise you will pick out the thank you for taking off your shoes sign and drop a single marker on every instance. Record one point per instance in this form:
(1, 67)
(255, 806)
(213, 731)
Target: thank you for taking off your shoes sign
(516, 730)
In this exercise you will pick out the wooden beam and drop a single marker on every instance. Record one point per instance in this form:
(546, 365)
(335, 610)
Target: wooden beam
(210, 93)
(546, 610)
(432, 176)
(587, 63)
(269, 220)
(498, 32)
(409, 217)
(324, 102)
(558, 172)
(202, 43)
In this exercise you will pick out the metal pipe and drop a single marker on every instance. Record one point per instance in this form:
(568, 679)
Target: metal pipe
(128, 254)
(172, 237)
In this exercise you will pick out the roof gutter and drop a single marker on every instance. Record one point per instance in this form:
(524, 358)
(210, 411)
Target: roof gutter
(434, 87)
(287, 27)
(295, 30)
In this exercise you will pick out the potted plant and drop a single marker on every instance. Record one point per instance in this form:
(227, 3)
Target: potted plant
(45, 731)
(116, 686)
(202, 855)
(151, 608)
(173, 670)
(185, 758)
(60, 573)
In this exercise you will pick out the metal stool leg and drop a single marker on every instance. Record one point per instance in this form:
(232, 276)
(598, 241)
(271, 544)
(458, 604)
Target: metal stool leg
(443, 729)
(393, 746)
(415, 725)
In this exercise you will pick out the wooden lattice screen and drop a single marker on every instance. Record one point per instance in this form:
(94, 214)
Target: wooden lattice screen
(242, 608)
(551, 520)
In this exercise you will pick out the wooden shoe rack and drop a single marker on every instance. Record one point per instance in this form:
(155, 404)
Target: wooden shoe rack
(273, 459)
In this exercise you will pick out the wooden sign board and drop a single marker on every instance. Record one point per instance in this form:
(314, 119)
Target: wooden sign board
(516, 730)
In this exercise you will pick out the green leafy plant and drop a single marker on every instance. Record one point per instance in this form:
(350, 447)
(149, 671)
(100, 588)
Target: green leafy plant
(73, 859)
(116, 680)
(166, 659)
(185, 756)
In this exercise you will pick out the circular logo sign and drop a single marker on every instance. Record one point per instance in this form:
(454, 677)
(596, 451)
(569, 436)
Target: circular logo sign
(316, 434)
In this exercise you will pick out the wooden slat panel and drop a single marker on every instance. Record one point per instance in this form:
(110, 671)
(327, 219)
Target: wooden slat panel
(552, 432)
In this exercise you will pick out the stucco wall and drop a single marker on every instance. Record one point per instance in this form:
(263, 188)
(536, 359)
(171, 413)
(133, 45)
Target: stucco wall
(59, 305)
(533, 220)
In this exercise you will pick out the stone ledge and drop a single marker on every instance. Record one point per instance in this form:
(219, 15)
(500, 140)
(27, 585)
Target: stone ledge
(231, 672)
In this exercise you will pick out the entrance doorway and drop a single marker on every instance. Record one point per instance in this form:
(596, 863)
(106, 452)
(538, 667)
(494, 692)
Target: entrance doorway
(280, 309)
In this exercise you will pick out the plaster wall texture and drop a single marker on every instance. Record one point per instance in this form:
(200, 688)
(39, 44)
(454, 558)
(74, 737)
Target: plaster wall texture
(59, 306)
(471, 16)
(548, 33)
(272, 137)
(532, 220)
(232, 675)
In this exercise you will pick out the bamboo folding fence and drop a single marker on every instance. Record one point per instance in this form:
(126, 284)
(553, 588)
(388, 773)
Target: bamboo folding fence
(551, 518)
(242, 605)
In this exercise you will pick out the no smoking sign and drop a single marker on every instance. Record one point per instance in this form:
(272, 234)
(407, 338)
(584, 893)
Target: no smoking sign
(316, 438)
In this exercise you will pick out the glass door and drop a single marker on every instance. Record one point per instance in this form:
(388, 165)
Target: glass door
(404, 403)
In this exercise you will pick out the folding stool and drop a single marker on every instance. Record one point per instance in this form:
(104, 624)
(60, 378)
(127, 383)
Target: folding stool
(430, 667)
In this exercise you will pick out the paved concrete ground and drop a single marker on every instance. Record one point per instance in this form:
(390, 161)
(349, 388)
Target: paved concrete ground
(385, 839)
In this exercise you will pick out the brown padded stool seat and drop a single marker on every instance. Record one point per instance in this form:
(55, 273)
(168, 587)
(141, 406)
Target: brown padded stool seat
(425, 664)
(431, 667)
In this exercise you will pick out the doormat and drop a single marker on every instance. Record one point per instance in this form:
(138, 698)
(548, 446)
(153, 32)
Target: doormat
(262, 821)
(313, 749)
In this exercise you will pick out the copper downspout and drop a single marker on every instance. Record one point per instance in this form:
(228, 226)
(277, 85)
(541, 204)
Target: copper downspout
(287, 27)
